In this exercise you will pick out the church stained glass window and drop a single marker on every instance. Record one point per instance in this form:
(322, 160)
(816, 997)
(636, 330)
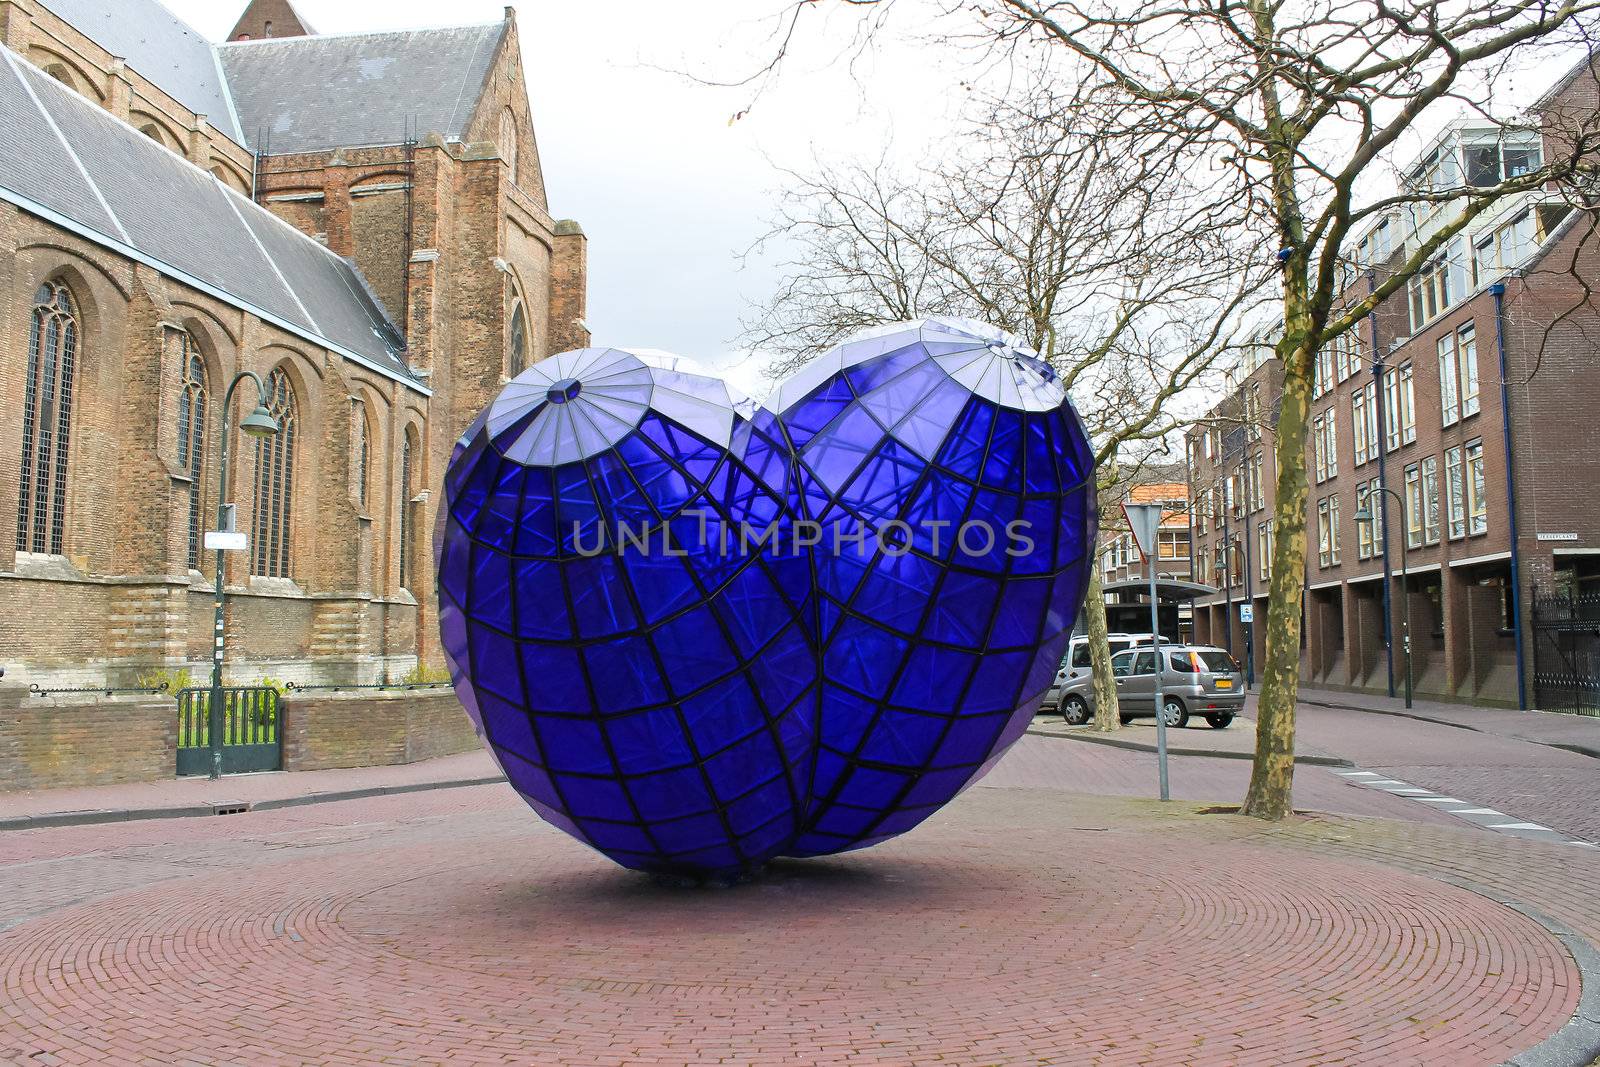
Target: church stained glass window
(47, 420)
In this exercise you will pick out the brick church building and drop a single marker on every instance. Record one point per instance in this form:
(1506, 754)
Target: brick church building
(359, 219)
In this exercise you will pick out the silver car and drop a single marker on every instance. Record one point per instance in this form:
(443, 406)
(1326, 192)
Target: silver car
(1198, 680)
(1076, 663)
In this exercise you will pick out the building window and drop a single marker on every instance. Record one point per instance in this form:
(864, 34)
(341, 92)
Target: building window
(194, 396)
(1477, 500)
(1364, 418)
(1173, 544)
(1430, 500)
(407, 491)
(1202, 511)
(275, 482)
(360, 450)
(1455, 481)
(1414, 506)
(1400, 417)
(1264, 549)
(1252, 412)
(1333, 526)
(1366, 532)
(519, 342)
(1449, 395)
(1218, 569)
(47, 420)
(1324, 535)
(1431, 293)
(1319, 454)
(1467, 367)
(1257, 481)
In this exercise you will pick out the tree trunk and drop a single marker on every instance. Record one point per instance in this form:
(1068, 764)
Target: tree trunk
(1270, 795)
(1105, 688)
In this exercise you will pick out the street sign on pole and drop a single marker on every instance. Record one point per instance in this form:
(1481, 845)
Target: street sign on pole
(226, 541)
(1247, 613)
(1144, 520)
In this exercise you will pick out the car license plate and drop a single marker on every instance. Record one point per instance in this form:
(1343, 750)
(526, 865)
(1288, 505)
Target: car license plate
(1224, 683)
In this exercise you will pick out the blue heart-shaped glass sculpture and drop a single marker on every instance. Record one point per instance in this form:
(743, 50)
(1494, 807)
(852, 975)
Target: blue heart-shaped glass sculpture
(698, 634)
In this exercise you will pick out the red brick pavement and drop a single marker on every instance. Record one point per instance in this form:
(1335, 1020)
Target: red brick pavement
(1023, 925)
(1551, 786)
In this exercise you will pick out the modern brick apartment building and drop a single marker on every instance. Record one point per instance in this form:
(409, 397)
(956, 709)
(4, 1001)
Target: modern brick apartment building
(1123, 571)
(360, 219)
(1471, 396)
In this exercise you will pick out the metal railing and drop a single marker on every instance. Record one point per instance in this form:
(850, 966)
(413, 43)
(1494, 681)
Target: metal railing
(334, 688)
(101, 690)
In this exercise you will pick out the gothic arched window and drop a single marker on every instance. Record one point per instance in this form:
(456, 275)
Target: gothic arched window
(47, 420)
(518, 360)
(359, 449)
(194, 397)
(508, 141)
(407, 491)
(275, 482)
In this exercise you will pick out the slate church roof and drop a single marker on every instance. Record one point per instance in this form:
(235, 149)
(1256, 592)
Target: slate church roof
(72, 163)
(311, 94)
(160, 46)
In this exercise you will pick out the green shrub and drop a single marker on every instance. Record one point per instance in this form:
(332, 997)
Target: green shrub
(422, 674)
(174, 680)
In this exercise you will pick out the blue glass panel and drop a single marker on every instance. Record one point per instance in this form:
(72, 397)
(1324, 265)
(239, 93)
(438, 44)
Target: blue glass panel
(623, 673)
(903, 738)
(692, 650)
(541, 601)
(618, 837)
(1021, 613)
(670, 794)
(536, 526)
(575, 745)
(965, 449)
(648, 741)
(508, 727)
(934, 678)
(721, 715)
(863, 657)
(963, 610)
(555, 679)
(598, 798)
(1003, 468)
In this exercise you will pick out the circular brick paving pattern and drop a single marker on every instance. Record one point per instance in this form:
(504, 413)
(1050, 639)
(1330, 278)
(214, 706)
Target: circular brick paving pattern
(966, 942)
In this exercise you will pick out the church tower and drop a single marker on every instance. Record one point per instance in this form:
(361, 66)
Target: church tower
(270, 18)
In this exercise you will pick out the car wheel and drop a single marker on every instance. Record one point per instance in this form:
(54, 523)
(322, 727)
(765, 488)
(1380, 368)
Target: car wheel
(1124, 719)
(1173, 713)
(1219, 722)
(1075, 710)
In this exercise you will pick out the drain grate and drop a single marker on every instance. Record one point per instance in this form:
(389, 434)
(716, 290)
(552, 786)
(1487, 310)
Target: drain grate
(230, 809)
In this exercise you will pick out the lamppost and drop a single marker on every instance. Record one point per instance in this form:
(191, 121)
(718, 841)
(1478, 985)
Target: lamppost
(1364, 514)
(259, 423)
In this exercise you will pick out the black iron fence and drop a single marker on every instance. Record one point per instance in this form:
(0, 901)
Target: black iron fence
(1566, 652)
(252, 730)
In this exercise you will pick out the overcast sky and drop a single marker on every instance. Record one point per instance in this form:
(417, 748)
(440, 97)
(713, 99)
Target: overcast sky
(670, 194)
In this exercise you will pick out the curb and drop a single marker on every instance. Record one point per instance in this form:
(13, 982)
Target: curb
(1576, 1044)
(1140, 746)
(189, 811)
(1567, 746)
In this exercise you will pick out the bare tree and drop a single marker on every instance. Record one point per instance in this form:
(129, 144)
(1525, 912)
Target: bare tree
(1117, 271)
(1296, 111)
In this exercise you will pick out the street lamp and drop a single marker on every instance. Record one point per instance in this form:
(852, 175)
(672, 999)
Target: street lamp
(1364, 514)
(259, 423)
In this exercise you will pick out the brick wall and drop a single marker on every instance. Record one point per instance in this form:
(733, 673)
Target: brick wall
(357, 729)
(46, 744)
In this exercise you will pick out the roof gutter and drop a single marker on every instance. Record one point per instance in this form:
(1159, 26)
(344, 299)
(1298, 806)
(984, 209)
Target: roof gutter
(55, 218)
